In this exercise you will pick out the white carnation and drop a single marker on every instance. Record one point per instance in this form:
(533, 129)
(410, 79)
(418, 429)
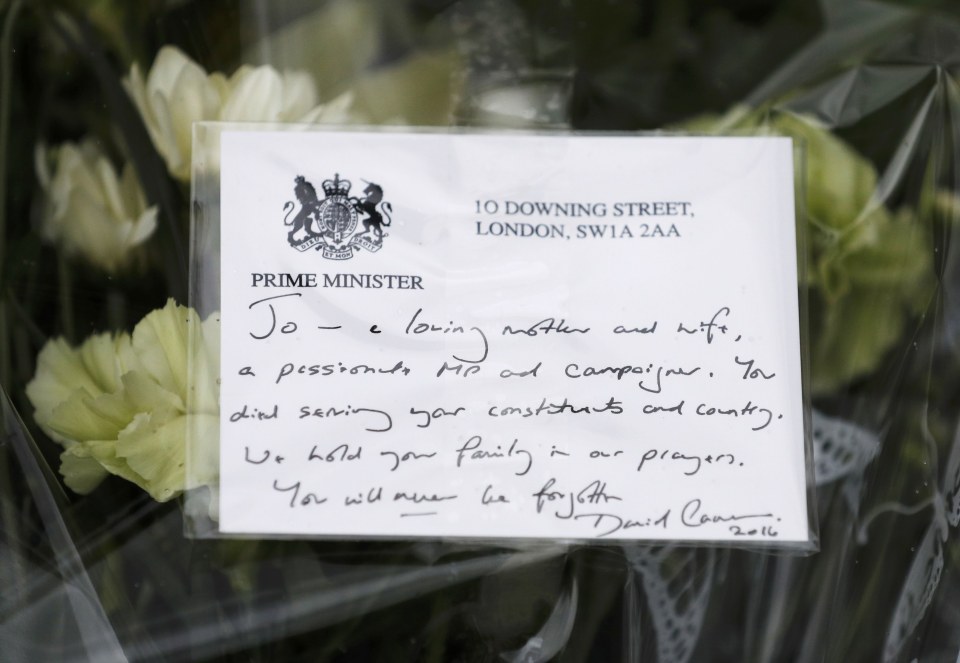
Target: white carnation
(91, 210)
(178, 92)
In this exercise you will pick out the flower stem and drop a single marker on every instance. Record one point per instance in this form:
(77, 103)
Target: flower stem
(8, 517)
(65, 279)
(6, 85)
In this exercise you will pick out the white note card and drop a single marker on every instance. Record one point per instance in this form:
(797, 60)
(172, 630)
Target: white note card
(490, 336)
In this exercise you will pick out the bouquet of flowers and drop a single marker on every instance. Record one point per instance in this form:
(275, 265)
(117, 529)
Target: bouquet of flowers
(97, 104)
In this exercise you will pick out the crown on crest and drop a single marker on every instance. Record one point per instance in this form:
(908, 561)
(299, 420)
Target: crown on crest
(336, 186)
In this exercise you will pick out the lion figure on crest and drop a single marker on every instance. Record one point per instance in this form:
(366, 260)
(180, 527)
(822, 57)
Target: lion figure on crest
(309, 210)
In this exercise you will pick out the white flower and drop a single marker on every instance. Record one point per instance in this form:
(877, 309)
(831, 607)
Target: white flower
(90, 210)
(178, 92)
(126, 404)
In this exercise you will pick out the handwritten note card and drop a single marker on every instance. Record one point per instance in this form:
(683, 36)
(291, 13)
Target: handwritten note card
(510, 336)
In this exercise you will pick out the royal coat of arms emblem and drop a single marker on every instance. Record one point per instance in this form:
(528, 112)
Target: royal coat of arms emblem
(330, 225)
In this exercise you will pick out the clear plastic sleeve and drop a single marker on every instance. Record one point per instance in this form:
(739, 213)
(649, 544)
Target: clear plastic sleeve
(541, 423)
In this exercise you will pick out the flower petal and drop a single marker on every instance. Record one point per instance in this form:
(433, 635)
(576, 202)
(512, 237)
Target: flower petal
(255, 96)
(81, 472)
(65, 373)
(83, 417)
(160, 340)
(203, 450)
(154, 447)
